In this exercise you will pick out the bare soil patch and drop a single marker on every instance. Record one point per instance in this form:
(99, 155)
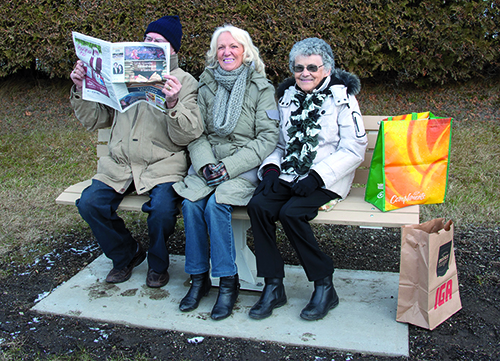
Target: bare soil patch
(471, 334)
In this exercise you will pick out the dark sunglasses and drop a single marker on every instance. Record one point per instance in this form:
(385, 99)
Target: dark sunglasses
(311, 68)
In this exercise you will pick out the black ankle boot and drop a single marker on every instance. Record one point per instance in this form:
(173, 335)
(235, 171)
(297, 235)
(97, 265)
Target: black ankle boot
(228, 293)
(273, 296)
(323, 299)
(200, 286)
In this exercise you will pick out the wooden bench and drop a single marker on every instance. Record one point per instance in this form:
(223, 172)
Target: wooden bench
(353, 210)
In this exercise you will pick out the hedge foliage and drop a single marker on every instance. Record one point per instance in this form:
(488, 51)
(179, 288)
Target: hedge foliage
(408, 40)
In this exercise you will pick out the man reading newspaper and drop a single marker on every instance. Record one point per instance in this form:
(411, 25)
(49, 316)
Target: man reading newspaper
(147, 154)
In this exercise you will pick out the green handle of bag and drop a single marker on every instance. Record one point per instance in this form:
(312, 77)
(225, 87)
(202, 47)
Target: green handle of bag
(414, 116)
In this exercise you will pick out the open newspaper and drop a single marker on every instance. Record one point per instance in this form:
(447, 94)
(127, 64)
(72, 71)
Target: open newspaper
(123, 74)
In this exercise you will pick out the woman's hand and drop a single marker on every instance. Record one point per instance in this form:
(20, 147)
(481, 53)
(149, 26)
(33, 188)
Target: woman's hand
(78, 74)
(270, 181)
(308, 185)
(171, 89)
(215, 174)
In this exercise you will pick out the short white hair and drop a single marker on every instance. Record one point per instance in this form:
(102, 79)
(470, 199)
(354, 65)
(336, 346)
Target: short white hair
(250, 53)
(312, 46)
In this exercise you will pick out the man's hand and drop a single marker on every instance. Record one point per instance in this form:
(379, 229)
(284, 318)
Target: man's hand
(78, 74)
(171, 89)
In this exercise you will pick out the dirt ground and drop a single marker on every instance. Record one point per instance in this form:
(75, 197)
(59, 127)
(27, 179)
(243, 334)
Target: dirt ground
(471, 334)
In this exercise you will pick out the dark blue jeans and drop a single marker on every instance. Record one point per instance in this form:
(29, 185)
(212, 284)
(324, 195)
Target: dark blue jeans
(98, 205)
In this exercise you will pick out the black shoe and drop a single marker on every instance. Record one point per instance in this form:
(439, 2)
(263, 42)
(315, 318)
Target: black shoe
(200, 286)
(323, 299)
(228, 293)
(122, 275)
(155, 279)
(273, 296)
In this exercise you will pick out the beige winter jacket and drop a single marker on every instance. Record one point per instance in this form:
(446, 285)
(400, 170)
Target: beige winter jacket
(146, 146)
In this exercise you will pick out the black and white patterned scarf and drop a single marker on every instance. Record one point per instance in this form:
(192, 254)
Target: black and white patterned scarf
(301, 148)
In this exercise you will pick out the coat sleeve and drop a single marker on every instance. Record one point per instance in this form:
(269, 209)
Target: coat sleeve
(351, 148)
(266, 129)
(92, 115)
(184, 120)
(276, 156)
(200, 150)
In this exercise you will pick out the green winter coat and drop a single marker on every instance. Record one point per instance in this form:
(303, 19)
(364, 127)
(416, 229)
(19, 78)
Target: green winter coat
(242, 152)
(146, 146)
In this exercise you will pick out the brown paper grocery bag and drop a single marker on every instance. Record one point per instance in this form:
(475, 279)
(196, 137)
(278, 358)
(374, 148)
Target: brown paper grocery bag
(428, 283)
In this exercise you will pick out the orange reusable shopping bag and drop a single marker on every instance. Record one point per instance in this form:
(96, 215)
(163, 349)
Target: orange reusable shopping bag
(410, 161)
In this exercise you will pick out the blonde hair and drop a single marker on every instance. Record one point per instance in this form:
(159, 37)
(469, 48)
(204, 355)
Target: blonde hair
(250, 54)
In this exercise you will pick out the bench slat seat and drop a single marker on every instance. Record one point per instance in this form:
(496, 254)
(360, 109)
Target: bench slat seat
(352, 211)
(72, 193)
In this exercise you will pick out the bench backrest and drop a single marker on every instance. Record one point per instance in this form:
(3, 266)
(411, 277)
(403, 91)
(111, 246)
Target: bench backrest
(371, 122)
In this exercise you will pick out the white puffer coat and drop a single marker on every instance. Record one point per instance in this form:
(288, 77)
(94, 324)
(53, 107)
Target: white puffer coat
(342, 139)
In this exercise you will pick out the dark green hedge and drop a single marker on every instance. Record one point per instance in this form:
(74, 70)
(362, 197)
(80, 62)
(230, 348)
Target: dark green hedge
(406, 40)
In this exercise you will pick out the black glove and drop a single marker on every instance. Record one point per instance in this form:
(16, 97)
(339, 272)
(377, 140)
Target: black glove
(308, 185)
(270, 180)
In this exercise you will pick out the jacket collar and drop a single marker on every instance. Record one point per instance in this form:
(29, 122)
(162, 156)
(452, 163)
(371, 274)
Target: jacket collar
(174, 61)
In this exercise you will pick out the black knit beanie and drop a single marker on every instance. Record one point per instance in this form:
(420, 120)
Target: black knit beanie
(170, 28)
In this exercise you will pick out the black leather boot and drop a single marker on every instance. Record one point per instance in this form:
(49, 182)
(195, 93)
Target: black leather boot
(200, 286)
(323, 299)
(273, 296)
(228, 293)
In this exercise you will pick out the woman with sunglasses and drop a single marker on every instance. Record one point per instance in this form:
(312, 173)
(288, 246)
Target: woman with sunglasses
(322, 141)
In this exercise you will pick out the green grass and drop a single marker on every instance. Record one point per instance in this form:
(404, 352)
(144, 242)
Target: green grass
(15, 353)
(44, 149)
(474, 176)
(35, 166)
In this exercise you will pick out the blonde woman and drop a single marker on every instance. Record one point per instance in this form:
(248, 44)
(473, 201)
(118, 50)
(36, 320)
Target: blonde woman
(240, 115)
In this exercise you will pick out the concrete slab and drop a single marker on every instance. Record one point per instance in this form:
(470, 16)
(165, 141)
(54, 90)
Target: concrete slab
(364, 321)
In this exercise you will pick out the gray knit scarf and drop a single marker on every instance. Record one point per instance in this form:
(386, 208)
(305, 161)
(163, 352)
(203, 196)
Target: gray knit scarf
(229, 98)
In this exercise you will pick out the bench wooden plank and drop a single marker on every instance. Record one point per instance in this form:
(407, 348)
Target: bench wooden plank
(102, 150)
(103, 135)
(359, 218)
(71, 194)
(368, 160)
(67, 198)
(356, 212)
(351, 217)
(361, 176)
(372, 122)
(352, 211)
(372, 140)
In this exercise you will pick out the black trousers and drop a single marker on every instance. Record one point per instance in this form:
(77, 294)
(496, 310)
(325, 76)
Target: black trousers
(294, 213)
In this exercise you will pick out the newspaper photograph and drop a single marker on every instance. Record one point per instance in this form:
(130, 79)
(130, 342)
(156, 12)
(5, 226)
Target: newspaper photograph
(123, 74)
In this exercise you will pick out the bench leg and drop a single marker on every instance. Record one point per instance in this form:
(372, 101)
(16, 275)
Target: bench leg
(245, 259)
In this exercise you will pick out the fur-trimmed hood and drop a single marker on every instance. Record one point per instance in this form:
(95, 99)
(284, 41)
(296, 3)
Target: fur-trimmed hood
(338, 76)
